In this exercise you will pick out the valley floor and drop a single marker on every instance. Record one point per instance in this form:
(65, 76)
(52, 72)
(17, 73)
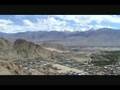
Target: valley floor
(80, 62)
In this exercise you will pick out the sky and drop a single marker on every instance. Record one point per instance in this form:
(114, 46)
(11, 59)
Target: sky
(23, 23)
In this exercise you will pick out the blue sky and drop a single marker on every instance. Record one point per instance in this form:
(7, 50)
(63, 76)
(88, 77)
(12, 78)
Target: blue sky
(23, 23)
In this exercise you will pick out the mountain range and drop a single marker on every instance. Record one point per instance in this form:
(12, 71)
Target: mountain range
(100, 37)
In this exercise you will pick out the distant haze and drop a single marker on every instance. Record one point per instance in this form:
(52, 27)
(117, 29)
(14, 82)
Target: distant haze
(23, 23)
(98, 37)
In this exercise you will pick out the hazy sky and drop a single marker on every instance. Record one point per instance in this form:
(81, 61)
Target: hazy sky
(22, 23)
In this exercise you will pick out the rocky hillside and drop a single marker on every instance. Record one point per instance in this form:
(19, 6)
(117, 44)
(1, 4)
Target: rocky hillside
(28, 49)
(21, 49)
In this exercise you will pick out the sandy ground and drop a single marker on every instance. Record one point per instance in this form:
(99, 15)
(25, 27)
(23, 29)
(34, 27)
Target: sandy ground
(4, 71)
(64, 69)
(57, 50)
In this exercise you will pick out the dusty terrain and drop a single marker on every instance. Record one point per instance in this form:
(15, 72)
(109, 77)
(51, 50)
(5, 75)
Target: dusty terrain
(23, 57)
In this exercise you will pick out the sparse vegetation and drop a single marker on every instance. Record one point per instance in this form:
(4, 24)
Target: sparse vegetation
(105, 58)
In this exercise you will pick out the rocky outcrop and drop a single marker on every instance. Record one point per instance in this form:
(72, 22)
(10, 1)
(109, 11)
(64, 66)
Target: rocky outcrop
(28, 49)
(9, 68)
